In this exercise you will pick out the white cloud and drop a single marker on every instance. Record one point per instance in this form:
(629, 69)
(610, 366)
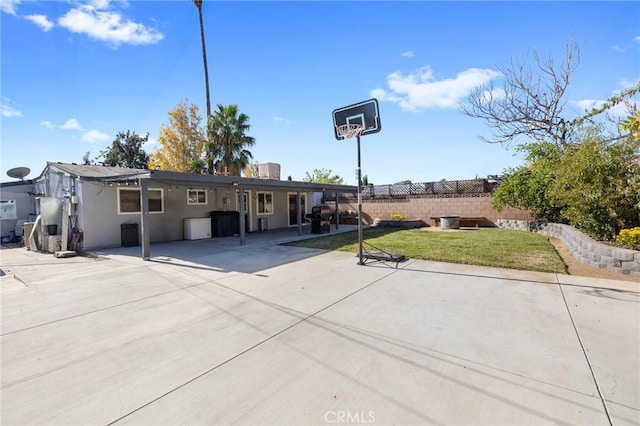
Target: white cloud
(421, 90)
(637, 39)
(40, 20)
(408, 54)
(9, 6)
(618, 49)
(71, 124)
(95, 21)
(7, 110)
(586, 105)
(95, 136)
(281, 120)
(151, 144)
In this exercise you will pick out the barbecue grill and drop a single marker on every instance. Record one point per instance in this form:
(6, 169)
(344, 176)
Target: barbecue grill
(320, 217)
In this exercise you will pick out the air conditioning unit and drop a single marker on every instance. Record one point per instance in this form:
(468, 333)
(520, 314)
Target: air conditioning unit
(269, 171)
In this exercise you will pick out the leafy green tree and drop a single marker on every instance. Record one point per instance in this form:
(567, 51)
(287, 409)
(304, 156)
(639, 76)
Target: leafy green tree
(632, 125)
(181, 141)
(197, 165)
(528, 187)
(599, 183)
(227, 140)
(591, 181)
(126, 151)
(322, 176)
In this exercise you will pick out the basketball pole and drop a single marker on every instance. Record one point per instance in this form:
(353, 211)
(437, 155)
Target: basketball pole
(359, 205)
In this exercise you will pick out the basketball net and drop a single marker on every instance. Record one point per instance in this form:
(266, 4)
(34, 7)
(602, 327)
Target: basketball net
(348, 131)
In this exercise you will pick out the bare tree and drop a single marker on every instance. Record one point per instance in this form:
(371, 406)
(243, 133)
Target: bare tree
(531, 102)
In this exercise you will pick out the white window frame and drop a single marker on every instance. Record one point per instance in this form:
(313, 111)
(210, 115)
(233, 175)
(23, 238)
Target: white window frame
(247, 200)
(267, 212)
(120, 189)
(198, 192)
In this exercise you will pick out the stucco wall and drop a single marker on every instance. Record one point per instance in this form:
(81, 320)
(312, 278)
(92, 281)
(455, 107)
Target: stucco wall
(21, 193)
(101, 223)
(424, 208)
(584, 248)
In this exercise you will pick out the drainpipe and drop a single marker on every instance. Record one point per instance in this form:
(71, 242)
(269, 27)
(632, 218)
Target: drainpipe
(299, 211)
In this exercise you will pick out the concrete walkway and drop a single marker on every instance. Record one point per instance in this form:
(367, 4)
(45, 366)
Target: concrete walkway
(213, 333)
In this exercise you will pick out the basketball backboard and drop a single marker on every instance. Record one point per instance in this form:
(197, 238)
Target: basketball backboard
(364, 113)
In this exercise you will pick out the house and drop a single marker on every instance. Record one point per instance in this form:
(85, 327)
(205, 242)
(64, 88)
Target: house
(16, 207)
(105, 203)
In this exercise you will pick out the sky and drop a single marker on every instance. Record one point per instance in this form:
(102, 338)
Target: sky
(75, 73)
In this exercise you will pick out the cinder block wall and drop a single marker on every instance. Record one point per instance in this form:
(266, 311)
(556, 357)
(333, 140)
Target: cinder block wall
(585, 249)
(424, 208)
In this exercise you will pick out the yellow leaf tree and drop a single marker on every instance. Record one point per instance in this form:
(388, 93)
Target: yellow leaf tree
(181, 141)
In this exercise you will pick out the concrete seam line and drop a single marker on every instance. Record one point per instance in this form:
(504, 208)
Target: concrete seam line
(239, 354)
(584, 352)
(103, 309)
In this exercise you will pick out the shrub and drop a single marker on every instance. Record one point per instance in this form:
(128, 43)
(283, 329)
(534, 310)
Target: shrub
(630, 238)
(396, 216)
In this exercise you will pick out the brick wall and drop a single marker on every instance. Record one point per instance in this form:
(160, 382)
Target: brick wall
(426, 207)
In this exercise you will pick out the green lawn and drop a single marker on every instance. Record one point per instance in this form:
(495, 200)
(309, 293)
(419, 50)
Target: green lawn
(501, 248)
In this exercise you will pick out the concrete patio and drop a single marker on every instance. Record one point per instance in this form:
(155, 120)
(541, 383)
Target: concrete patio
(213, 333)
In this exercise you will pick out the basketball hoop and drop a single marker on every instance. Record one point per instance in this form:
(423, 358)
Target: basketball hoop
(348, 131)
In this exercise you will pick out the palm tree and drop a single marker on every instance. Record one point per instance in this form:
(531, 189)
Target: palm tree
(227, 140)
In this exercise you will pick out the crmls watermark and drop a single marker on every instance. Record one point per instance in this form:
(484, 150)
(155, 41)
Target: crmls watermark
(345, 417)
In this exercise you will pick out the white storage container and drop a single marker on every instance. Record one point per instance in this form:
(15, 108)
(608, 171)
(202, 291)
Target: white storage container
(197, 228)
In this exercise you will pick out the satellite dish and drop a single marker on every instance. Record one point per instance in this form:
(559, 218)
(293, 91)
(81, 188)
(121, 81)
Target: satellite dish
(18, 172)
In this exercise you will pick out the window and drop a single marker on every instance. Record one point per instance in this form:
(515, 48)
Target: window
(8, 209)
(197, 196)
(129, 200)
(265, 202)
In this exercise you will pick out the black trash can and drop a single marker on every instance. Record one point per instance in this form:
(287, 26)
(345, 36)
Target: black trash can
(129, 234)
(224, 224)
(221, 224)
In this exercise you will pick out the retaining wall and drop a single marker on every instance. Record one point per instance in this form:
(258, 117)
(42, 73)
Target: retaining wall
(584, 248)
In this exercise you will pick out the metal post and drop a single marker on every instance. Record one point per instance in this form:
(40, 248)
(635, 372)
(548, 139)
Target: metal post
(337, 210)
(299, 213)
(241, 209)
(144, 218)
(359, 206)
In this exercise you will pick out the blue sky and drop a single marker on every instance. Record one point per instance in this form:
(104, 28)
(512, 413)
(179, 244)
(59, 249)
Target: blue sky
(74, 73)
